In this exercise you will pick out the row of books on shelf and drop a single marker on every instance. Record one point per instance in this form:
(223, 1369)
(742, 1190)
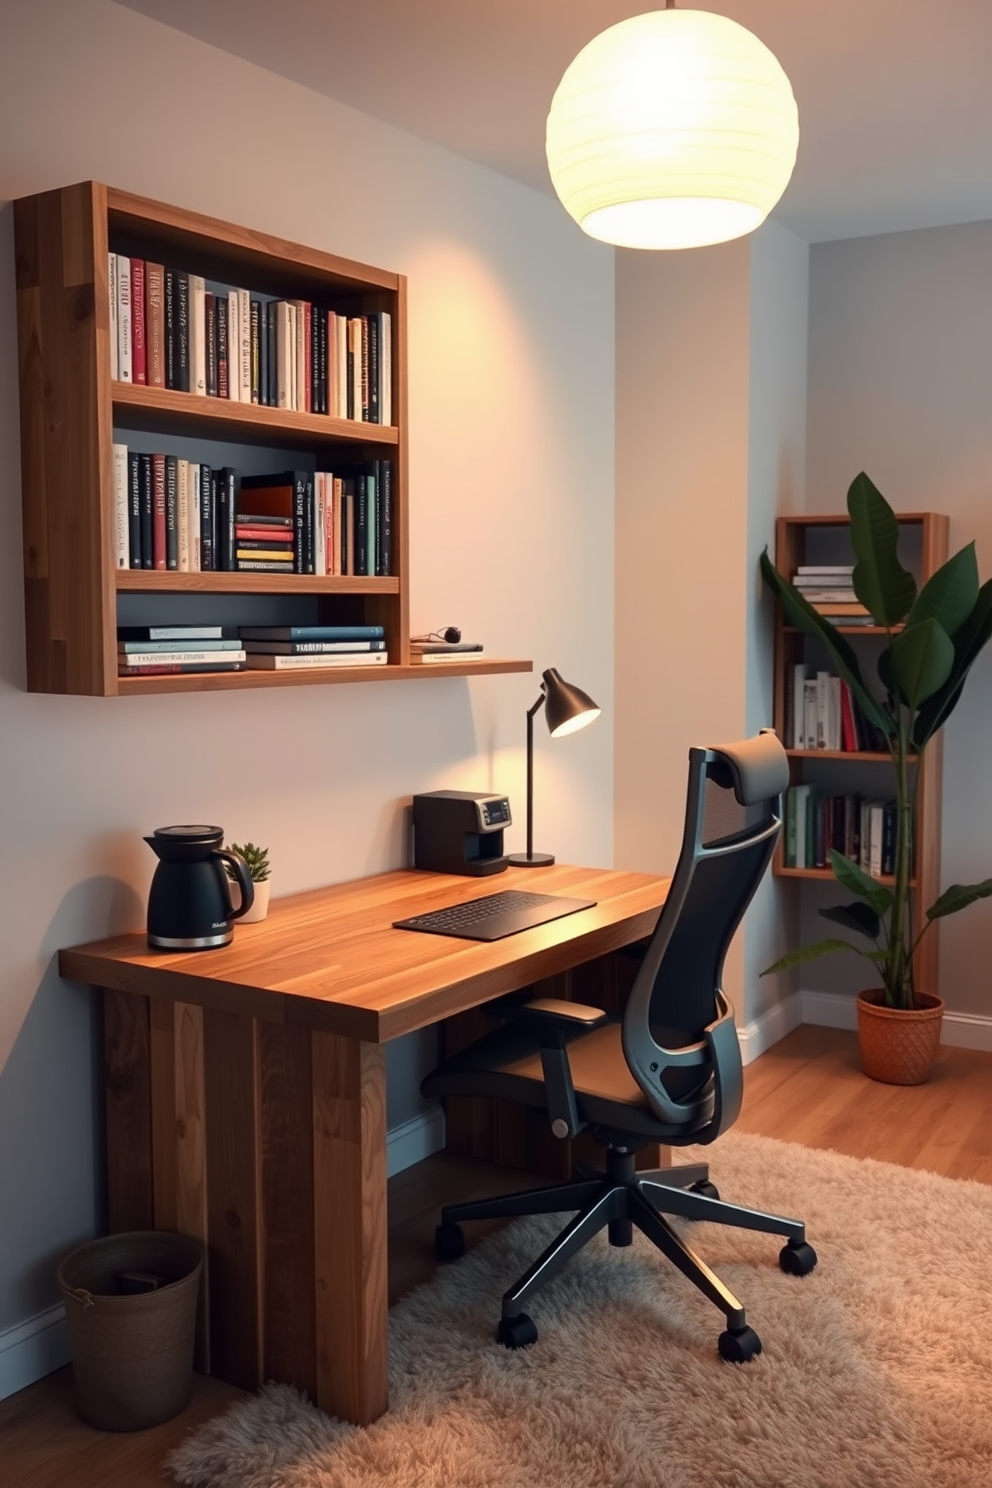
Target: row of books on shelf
(189, 517)
(829, 588)
(172, 329)
(823, 713)
(864, 830)
(155, 650)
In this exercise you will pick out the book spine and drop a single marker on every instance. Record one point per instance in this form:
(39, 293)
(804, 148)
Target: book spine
(206, 520)
(386, 509)
(364, 323)
(147, 513)
(354, 369)
(182, 487)
(228, 479)
(170, 328)
(171, 512)
(256, 352)
(300, 365)
(214, 521)
(121, 522)
(210, 342)
(114, 306)
(123, 318)
(197, 336)
(221, 309)
(372, 324)
(361, 525)
(182, 333)
(256, 564)
(385, 368)
(155, 324)
(890, 814)
(263, 355)
(308, 358)
(193, 502)
(282, 355)
(244, 344)
(139, 367)
(157, 655)
(321, 319)
(341, 338)
(158, 520)
(134, 509)
(233, 346)
(161, 669)
(271, 337)
(371, 517)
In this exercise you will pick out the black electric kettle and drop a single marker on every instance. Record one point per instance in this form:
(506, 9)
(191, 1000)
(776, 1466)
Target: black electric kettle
(189, 905)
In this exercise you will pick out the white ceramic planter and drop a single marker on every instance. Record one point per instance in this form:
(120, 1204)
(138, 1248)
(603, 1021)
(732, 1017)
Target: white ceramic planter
(260, 903)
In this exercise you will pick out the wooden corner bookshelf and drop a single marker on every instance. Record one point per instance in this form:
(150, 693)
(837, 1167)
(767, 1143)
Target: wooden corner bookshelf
(72, 412)
(923, 539)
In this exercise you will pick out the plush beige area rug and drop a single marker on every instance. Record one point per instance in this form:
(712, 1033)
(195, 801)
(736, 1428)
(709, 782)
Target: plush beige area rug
(876, 1370)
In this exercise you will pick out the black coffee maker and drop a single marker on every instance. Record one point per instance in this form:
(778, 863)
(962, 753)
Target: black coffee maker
(189, 904)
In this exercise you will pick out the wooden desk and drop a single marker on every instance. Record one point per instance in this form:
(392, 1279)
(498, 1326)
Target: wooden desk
(246, 1099)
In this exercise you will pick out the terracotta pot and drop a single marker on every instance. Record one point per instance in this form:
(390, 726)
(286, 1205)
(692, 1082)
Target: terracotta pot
(898, 1045)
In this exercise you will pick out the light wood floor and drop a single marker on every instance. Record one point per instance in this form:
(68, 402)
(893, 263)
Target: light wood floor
(807, 1089)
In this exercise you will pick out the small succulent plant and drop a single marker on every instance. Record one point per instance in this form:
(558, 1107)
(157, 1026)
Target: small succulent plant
(256, 858)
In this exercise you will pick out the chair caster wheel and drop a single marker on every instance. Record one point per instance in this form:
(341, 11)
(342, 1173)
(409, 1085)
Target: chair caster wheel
(449, 1242)
(517, 1332)
(706, 1188)
(797, 1258)
(739, 1345)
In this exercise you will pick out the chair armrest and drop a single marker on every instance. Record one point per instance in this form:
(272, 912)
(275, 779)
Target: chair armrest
(554, 1019)
(552, 1011)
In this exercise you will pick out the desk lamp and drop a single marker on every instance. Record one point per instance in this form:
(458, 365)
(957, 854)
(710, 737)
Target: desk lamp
(566, 708)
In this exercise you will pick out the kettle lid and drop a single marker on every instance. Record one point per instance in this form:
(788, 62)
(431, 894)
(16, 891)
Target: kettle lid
(190, 836)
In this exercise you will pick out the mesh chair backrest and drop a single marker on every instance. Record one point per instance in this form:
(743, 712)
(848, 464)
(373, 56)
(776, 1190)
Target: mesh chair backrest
(730, 834)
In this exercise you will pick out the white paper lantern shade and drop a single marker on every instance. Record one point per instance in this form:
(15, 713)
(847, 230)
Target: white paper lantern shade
(672, 130)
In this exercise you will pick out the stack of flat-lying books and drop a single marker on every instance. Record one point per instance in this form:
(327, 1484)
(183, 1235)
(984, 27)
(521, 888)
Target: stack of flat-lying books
(149, 650)
(282, 648)
(828, 587)
(431, 652)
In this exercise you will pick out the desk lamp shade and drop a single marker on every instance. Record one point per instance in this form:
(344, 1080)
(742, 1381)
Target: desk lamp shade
(672, 130)
(566, 709)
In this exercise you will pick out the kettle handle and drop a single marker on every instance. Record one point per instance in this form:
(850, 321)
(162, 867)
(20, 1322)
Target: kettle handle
(244, 881)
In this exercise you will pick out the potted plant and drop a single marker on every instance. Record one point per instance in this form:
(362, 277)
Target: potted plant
(932, 639)
(257, 863)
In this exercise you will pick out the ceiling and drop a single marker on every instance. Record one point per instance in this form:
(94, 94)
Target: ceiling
(895, 96)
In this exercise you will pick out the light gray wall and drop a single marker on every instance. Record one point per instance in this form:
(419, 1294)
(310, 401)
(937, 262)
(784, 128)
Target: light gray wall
(779, 295)
(711, 379)
(900, 385)
(511, 475)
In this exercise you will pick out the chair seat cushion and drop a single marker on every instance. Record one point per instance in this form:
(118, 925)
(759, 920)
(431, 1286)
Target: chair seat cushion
(507, 1064)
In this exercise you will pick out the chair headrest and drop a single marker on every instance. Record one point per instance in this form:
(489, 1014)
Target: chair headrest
(759, 767)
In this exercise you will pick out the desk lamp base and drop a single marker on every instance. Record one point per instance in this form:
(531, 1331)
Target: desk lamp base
(531, 860)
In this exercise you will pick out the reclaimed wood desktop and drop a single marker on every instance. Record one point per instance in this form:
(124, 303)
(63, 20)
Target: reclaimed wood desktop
(246, 1099)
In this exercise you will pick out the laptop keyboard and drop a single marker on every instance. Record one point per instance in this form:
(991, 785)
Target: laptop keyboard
(465, 916)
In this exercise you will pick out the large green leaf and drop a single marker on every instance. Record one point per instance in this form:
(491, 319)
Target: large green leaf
(922, 659)
(881, 583)
(800, 613)
(950, 594)
(810, 953)
(958, 897)
(969, 641)
(856, 916)
(854, 878)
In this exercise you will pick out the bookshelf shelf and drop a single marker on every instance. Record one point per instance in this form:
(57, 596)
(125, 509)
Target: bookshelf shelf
(238, 681)
(826, 540)
(160, 410)
(150, 581)
(72, 411)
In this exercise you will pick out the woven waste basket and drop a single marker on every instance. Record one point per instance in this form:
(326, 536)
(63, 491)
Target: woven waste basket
(132, 1352)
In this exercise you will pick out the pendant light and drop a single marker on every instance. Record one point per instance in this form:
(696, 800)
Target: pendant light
(672, 130)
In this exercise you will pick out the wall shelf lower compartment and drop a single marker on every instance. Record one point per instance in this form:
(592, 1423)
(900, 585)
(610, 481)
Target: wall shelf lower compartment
(238, 681)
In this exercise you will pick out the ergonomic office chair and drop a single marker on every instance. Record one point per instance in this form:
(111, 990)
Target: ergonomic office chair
(670, 1072)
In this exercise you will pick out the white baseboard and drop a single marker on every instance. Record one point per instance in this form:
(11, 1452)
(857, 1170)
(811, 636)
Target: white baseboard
(770, 1026)
(33, 1349)
(414, 1140)
(960, 1030)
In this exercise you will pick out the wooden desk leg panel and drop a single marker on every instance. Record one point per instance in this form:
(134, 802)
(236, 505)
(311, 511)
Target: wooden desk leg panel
(349, 1184)
(126, 1037)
